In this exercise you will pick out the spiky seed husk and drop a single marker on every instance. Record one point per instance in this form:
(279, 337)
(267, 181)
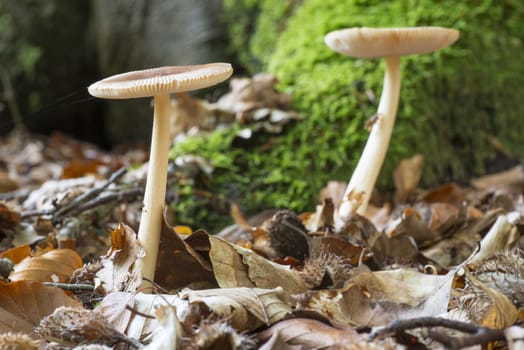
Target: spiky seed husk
(288, 235)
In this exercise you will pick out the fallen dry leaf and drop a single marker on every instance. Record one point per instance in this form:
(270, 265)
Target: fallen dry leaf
(307, 334)
(9, 218)
(179, 263)
(407, 176)
(245, 309)
(24, 303)
(116, 274)
(169, 332)
(17, 254)
(405, 293)
(54, 266)
(235, 266)
(456, 248)
(511, 179)
(7, 184)
(350, 305)
(503, 272)
(498, 239)
(489, 308)
(117, 307)
(447, 193)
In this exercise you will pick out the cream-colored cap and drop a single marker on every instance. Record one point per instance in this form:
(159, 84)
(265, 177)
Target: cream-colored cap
(159, 81)
(382, 42)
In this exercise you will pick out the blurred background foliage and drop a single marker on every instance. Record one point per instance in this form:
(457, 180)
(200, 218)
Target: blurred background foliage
(460, 107)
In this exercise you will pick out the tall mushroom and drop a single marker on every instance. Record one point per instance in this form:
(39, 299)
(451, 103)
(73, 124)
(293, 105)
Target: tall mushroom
(390, 43)
(158, 83)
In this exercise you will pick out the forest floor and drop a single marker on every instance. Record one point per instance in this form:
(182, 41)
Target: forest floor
(432, 268)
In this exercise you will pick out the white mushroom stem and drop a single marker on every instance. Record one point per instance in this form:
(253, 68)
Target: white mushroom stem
(365, 175)
(155, 193)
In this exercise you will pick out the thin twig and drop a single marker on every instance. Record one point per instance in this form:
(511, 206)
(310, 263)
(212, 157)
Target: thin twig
(71, 286)
(86, 196)
(32, 213)
(116, 196)
(475, 335)
(481, 337)
(79, 200)
(421, 322)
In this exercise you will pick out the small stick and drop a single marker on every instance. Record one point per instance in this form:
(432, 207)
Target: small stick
(70, 286)
(86, 196)
(421, 322)
(98, 201)
(481, 337)
(476, 335)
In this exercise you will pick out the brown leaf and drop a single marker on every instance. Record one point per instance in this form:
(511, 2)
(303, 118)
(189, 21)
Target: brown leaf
(179, 262)
(17, 254)
(24, 303)
(80, 167)
(340, 247)
(9, 219)
(511, 179)
(400, 286)
(444, 215)
(407, 176)
(447, 193)
(350, 305)
(497, 311)
(235, 266)
(458, 247)
(400, 249)
(116, 274)
(54, 266)
(7, 184)
(245, 309)
(239, 218)
(307, 334)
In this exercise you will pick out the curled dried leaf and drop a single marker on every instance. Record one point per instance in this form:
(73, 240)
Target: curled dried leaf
(243, 308)
(116, 272)
(24, 303)
(54, 266)
(235, 266)
(307, 334)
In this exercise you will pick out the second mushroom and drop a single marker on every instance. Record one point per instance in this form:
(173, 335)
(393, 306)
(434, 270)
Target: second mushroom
(158, 83)
(391, 44)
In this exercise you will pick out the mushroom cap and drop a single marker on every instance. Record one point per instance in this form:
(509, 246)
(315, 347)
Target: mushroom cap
(159, 81)
(381, 42)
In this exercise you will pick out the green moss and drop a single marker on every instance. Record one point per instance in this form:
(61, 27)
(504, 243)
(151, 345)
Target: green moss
(452, 101)
(254, 27)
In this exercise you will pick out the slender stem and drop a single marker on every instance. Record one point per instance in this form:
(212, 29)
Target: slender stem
(155, 192)
(365, 175)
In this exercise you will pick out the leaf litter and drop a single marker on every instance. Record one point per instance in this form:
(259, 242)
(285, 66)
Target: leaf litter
(434, 268)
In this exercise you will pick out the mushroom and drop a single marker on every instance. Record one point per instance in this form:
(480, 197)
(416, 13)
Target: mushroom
(158, 83)
(390, 43)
